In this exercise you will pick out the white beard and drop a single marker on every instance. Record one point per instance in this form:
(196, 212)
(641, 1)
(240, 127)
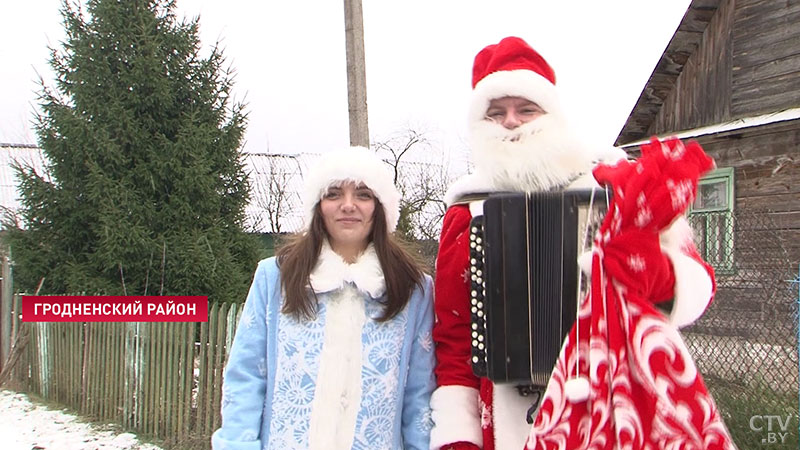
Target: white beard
(538, 156)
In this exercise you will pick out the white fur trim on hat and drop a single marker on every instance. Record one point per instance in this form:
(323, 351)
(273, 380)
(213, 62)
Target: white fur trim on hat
(513, 83)
(356, 164)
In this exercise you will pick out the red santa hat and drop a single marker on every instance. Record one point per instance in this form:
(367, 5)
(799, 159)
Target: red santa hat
(352, 164)
(511, 68)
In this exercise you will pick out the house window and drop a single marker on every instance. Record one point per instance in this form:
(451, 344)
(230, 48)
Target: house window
(711, 216)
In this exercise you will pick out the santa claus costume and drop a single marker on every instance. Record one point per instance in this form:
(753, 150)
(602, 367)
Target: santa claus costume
(542, 155)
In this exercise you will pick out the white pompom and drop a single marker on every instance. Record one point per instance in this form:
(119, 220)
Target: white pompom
(577, 389)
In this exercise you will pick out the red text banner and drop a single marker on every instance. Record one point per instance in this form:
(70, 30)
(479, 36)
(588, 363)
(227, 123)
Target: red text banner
(107, 308)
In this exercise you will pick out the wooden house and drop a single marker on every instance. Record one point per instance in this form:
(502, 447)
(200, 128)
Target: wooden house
(730, 79)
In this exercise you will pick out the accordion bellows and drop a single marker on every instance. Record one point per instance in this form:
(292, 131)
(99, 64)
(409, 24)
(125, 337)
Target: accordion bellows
(525, 281)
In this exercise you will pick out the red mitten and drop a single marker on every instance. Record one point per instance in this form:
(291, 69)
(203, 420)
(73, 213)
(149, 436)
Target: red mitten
(461, 445)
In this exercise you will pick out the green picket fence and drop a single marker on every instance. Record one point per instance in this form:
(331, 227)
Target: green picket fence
(162, 380)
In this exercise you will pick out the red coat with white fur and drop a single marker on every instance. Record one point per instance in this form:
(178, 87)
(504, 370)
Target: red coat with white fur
(463, 408)
(468, 409)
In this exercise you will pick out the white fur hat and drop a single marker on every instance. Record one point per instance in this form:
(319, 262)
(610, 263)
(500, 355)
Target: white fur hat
(356, 164)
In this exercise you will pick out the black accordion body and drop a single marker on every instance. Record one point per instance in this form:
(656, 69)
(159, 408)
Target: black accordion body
(525, 279)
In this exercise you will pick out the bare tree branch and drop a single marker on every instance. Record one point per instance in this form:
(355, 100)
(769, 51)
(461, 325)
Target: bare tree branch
(421, 182)
(272, 189)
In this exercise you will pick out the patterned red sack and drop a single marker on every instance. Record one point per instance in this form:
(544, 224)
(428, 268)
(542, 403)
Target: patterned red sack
(624, 378)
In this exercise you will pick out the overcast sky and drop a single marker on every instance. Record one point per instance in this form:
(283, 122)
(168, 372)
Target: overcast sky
(290, 61)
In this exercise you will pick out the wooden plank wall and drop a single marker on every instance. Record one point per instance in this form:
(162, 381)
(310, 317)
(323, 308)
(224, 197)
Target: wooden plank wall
(766, 57)
(162, 380)
(766, 162)
(702, 92)
(747, 64)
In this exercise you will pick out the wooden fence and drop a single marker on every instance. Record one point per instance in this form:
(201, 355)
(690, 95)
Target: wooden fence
(162, 380)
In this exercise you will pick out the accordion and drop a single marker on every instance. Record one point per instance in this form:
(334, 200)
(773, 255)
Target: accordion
(525, 279)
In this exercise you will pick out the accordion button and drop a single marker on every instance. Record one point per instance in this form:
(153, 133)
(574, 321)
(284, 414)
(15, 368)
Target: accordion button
(480, 338)
(475, 359)
(473, 269)
(472, 245)
(478, 248)
(479, 280)
(474, 278)
(480, 346)
(474, 229)
(478, 240)
(474, 326)
(474, 310)
(480, 313)
(475, 343)
(473, 261)
(479, 305)
(475, 334)
(479, 273)
(474, 293)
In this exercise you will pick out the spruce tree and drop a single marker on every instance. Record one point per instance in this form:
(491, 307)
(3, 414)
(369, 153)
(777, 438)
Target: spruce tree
(145, 188)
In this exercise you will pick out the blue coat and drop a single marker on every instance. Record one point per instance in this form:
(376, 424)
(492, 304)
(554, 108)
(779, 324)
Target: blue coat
(287, 384)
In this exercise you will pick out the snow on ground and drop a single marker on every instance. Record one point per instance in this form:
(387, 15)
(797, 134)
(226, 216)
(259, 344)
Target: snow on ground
(26, 425)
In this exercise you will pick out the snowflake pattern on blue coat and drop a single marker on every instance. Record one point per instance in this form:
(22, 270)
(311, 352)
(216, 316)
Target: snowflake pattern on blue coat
(271, 375)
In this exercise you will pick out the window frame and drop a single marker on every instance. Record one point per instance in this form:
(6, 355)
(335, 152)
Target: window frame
(723, 261)
(725, 175)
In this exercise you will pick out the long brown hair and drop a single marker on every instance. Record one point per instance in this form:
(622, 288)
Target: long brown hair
(298, 257)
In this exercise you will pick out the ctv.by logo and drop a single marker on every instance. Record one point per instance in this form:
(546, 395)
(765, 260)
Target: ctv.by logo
(775, 427)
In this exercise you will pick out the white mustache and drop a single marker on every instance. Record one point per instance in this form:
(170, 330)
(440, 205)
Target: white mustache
(517, 136)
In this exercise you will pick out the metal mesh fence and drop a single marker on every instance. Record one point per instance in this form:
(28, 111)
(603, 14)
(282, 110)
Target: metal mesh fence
(745, 345)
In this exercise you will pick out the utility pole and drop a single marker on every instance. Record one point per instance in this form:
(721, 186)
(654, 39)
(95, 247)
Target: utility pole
(356, 73)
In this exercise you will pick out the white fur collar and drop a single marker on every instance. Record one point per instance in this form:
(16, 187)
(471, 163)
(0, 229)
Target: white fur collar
(332, 272)
(477, 183)
(472, 183)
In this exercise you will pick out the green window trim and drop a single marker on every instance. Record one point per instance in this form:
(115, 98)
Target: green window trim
(719, 177)
(711, 217)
